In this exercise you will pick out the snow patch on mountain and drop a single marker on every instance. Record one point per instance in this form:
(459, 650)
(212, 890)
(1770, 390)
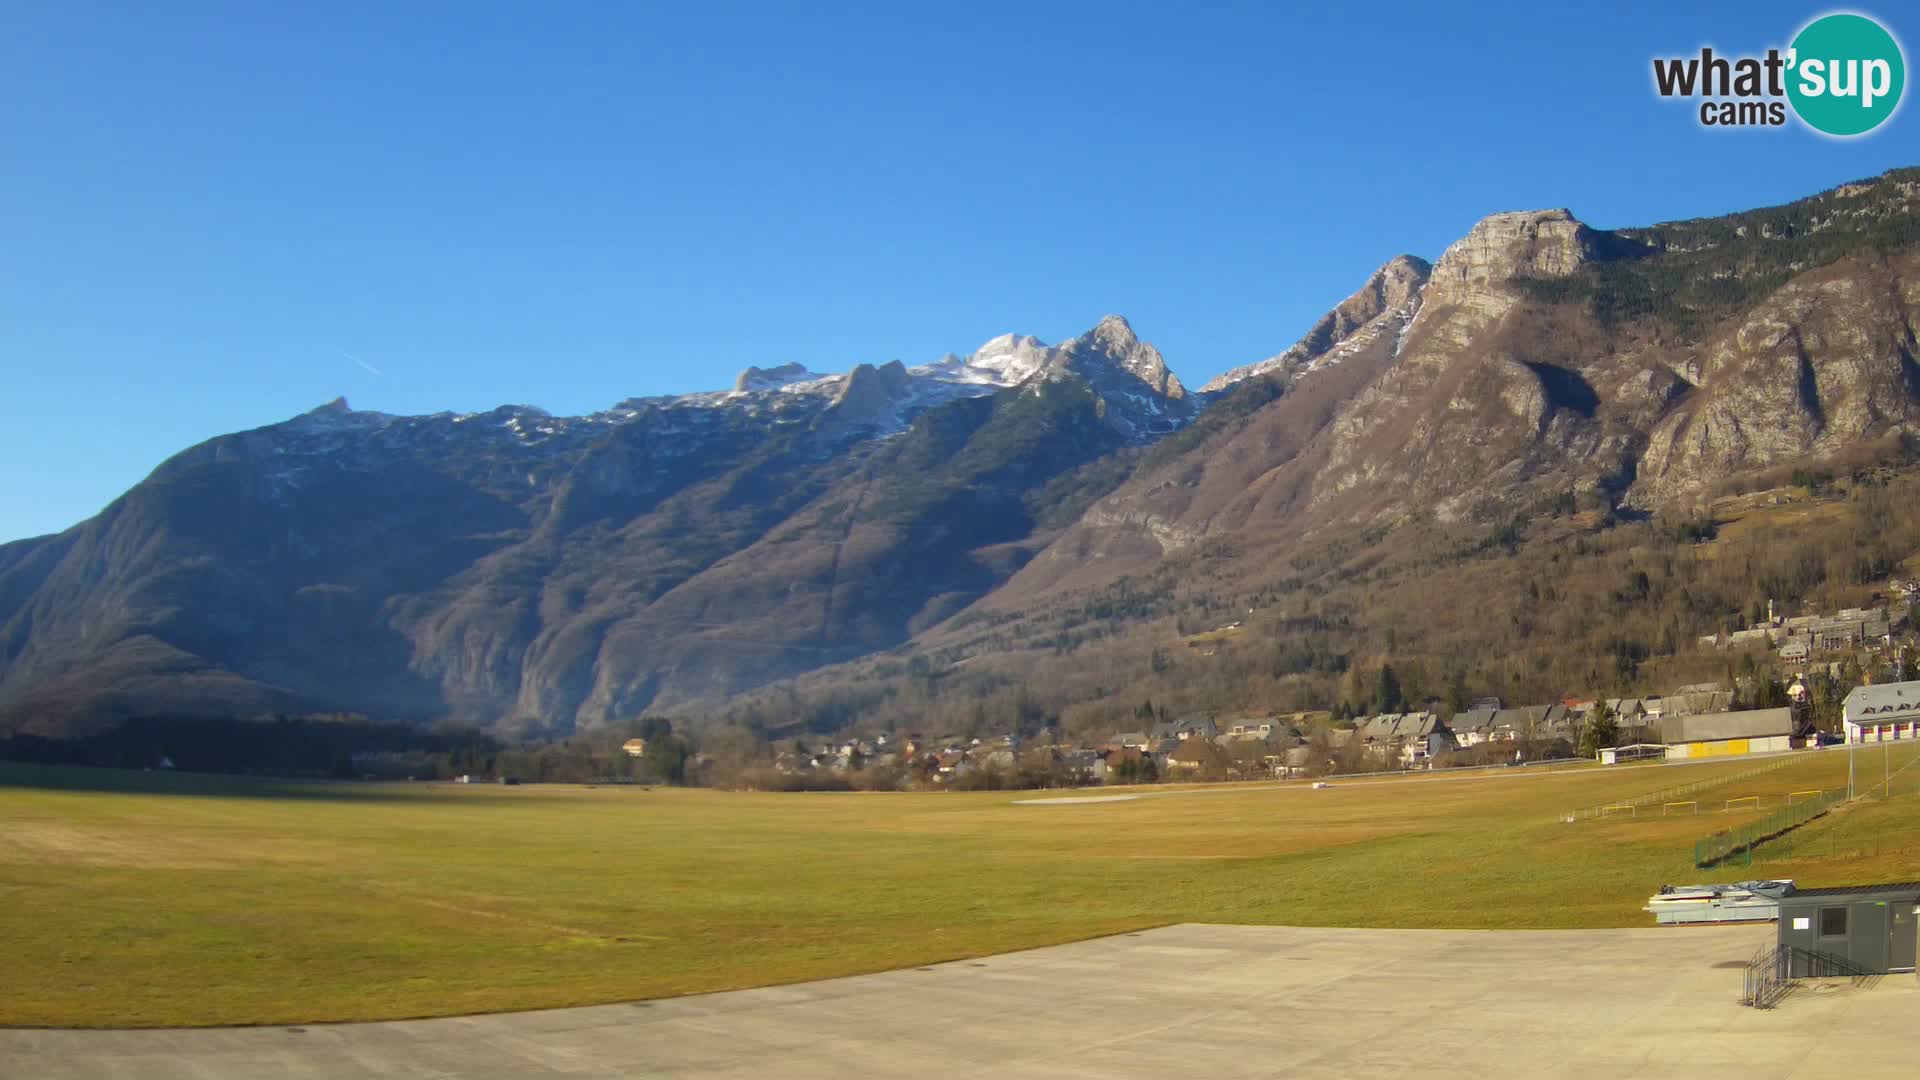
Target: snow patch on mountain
(1142, 400)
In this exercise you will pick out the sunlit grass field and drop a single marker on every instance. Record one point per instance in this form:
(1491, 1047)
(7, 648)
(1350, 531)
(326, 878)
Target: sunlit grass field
(134, 899)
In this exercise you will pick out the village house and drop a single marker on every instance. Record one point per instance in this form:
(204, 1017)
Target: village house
(1260, 729)
(1559, 722)
(951, 764)
(1409, 738)
(1474, 726)
(1883, 713)
(1113, 758)
(1834, 635)
(1626, 712)
(635, 747)
(1198, 757)
(1511, 725)
(1187, 728)
(1699, 698)
(1295, 762)
(1083, 765)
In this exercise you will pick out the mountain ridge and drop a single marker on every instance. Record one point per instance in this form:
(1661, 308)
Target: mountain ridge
(541, 572)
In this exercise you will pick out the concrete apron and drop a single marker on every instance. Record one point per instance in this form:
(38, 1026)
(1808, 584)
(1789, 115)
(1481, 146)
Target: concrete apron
(1194, 1000)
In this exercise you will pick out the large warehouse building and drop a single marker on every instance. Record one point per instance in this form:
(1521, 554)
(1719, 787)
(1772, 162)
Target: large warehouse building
(1882, 713)
(1756, 731)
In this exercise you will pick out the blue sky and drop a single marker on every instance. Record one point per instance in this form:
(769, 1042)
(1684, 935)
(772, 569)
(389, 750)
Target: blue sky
(214, 216)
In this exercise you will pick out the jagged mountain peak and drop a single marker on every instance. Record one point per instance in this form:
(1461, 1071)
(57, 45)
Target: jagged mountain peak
(1003, 361)
(890, 378)
(1113, 342)
(773, 378)
(1386, 303)
(336, 415)
(871, 396)
(1400, 279)
(1114, 329)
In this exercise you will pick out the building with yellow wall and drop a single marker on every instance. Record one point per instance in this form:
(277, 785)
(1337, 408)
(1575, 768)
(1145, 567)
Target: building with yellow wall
(1727, 734)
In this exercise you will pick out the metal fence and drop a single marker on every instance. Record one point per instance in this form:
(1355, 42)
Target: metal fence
(1769, 977)
(1724, 846)
(1680, 792)
(1892, 782)
(1770, 974)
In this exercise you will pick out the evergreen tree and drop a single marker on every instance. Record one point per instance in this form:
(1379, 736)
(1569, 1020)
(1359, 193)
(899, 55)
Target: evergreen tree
(1386, 691)
(1603, 730)
(1457, 699)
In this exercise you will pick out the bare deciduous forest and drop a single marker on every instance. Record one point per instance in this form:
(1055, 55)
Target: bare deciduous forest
(1565, 601)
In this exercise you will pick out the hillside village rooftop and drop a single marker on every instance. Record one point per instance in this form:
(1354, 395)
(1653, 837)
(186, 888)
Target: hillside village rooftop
(1882, 713)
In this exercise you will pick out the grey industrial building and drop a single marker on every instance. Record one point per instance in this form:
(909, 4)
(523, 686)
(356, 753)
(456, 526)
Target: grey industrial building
(1852, 930)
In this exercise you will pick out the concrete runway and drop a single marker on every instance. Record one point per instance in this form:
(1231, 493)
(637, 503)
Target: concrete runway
(1193, 1000)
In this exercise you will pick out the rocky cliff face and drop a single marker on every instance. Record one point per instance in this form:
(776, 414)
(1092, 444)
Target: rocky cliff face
(1501, 247)
(1822, 365)
(1635, 369)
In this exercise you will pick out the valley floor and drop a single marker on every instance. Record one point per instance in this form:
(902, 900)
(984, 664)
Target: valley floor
(156, 900)
(1189, 1000)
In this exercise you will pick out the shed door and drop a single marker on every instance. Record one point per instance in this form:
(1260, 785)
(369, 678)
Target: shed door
(1903, 935)
(1800, 927)
(1868, 945)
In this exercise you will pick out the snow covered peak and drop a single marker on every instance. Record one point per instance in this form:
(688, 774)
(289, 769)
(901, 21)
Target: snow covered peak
(871, 401)
(1007, 360)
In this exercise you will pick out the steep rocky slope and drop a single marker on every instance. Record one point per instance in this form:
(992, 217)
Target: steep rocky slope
(1543, 359)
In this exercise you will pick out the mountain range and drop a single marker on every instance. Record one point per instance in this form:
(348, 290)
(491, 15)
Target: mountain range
(514, 567)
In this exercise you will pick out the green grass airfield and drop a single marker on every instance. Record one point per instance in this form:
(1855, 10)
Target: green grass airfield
(149, 899)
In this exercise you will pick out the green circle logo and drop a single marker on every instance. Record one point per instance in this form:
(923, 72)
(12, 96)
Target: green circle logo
(1847, 74)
